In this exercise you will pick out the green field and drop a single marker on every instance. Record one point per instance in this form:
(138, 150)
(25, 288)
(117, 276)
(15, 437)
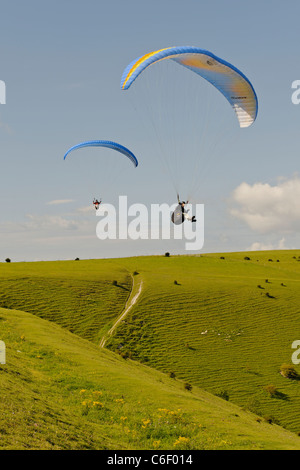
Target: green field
(215, 329)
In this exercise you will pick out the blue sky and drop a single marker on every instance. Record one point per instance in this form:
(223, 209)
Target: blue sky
(62, 62)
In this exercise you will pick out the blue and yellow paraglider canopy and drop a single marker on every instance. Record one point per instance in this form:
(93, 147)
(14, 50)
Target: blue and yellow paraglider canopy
(108, 144)
(230, 81)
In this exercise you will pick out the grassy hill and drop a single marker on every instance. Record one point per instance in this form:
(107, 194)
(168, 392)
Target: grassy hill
(79, 296)
(215, 328)
(59, 391)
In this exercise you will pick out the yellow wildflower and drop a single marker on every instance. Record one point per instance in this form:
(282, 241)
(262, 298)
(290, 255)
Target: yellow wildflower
(97, 404)
(182, 441)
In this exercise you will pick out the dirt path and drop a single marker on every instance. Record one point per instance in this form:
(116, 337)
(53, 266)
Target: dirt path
(129, 304)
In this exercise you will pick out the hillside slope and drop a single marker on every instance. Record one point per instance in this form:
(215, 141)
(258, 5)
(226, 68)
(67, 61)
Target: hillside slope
(59, 391)
(78, 295)
(227, 325)
(215, 328)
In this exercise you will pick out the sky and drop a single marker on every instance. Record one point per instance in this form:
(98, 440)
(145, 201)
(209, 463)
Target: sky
(62, 62)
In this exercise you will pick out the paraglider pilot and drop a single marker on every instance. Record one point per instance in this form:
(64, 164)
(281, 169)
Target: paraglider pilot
(184, 212)
(96, 203)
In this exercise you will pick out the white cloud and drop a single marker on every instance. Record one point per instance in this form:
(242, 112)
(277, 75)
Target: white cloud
(50, 222)
(86, 209)
(265, 208)
(59, 201)
(258, 246)
(45, 223)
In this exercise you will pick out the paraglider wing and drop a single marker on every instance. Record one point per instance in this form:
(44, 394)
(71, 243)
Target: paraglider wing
(230, 81)
(108, 144)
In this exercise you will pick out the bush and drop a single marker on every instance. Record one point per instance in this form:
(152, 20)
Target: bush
(172, 375)
(271, 420)
(268, 419)
(135, 273)
(188, 386)
(76, 259)
(126, 354)
(222, 257)
(167, 254)
(288, 371)
(271, 390)
(270, 296)
(247, 258)
(8, 260)
(115, 283)
(223, 394)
